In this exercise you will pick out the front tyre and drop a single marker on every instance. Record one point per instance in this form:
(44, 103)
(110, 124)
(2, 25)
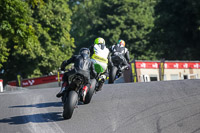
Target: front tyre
(112, 75)
(90, 91)
(70, 104)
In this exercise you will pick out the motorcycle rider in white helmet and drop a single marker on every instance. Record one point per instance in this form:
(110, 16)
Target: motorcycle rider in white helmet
(100, 56)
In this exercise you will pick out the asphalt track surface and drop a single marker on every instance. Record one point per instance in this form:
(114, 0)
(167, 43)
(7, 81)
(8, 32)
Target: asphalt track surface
(155, 107)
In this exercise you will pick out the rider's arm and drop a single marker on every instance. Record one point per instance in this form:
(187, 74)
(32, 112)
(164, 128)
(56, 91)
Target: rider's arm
(67, 62)
(110, 49)
(110, 63)
(91, 48)
(127, 56)
(92, 69)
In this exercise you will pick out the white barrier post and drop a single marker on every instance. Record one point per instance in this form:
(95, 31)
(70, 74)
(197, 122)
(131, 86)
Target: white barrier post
(1, 85)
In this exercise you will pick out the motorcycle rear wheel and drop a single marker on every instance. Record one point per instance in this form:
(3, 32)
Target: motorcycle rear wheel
(112, 75)
(70, 104)
(90, 92)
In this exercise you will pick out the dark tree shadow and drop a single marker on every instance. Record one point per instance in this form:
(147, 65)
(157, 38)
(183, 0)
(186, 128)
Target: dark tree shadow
(43, 105)
(40, 105)
(34, 118)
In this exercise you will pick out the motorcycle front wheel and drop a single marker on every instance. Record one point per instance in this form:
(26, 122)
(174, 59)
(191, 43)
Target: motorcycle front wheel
(69, 105)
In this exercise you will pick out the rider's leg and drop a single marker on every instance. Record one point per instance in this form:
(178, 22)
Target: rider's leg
(65, 83)
(102, 80)
(125, 64)
(105, 75)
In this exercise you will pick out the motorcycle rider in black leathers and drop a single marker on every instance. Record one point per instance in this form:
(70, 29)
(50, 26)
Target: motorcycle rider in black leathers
(82, 65)
(120, 48)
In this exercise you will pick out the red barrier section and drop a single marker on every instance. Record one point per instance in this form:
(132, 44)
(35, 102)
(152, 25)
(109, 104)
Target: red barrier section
(36, 81)
(168, 65)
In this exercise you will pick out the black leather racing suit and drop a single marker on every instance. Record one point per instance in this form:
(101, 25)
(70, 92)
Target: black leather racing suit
(124, 51)
(82, 65)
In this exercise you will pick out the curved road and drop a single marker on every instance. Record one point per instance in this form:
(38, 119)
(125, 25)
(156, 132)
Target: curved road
(154, 107)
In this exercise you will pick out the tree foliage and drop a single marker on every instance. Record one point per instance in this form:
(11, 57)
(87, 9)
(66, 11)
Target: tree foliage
(176, 35)
(34, 37)
(130, 20)
(84, 16)
(37, 35)
(53, 24)
(19, 42)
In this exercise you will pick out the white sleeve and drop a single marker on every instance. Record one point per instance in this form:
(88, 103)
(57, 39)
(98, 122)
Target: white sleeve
(126, 50)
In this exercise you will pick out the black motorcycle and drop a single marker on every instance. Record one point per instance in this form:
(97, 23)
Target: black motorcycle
(74, 94)
(116, 70)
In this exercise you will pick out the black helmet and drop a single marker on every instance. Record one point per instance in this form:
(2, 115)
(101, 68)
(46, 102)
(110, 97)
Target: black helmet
(84, 51)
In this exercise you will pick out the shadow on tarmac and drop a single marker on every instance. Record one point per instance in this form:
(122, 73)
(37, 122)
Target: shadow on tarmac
(40, 105)
(34, 118)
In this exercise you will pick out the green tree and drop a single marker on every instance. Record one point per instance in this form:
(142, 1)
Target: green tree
(4, 51)
(18, 41)
(34, 37)
(176, 35)
(130, 20)
(84, 15)
(53, 24)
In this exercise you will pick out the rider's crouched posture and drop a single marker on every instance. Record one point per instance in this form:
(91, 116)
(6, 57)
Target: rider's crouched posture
(82, 65)
(120, 48)
(100, 55)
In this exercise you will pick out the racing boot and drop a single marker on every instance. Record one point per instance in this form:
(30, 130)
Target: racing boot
(119, 74)
(62, 90)
(102, 79)
(126, 67)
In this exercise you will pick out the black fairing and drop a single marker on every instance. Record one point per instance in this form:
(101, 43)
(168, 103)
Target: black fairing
(117, 60)
(77, 82)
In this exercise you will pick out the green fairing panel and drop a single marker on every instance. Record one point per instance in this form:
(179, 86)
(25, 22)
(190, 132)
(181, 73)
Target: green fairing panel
(98, 68)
